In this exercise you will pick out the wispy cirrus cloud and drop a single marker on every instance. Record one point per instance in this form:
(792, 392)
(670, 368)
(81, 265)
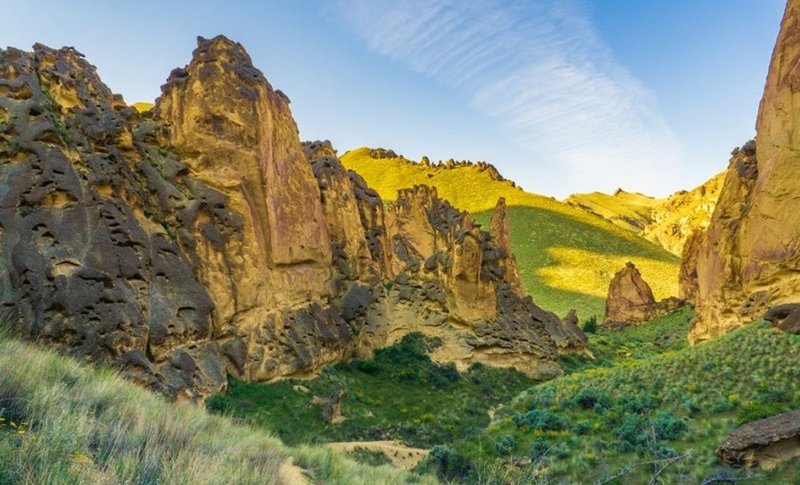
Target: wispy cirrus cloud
(540, 70)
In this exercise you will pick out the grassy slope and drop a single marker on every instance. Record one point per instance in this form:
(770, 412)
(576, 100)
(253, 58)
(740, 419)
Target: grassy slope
(748, 374)
(398, 395)
(142, 106)
(62, 422)
(621, 208)
(567, 256)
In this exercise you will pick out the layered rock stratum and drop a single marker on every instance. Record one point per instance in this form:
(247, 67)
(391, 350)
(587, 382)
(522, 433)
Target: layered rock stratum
(749, 258)
(202, 239)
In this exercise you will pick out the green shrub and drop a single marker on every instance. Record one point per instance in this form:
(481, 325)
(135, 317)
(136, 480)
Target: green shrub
(506, 444)
(590, 325)
(540, 419)
(691, 406)
(591, 398)
(446, 464)
(582, 428)
(632, 434)
(723, 405)
(669, 427)
(542, 448)
(639, 404)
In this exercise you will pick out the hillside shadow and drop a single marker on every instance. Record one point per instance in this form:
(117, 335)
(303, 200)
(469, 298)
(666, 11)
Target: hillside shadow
(541, 240)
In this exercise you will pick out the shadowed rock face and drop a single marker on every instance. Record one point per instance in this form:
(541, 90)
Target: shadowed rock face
(630, 299)
(750, 256)
(202, 239)
(765, 442)
(687, 277)
(500, 231)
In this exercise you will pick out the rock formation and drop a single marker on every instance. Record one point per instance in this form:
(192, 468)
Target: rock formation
(630, 299)
(682, 214)
(687, 277)
(568, 337)
(785, 318)
(750, 256)
(500, 231)
(201, 239)
(765, 442)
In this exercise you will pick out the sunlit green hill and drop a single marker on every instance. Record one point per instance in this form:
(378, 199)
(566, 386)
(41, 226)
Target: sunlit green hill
(567, 256)
(629, 210)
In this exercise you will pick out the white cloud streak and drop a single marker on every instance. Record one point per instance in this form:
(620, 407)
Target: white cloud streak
(541, 71)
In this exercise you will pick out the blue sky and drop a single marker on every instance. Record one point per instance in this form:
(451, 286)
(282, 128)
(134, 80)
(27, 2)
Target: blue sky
(561, 95)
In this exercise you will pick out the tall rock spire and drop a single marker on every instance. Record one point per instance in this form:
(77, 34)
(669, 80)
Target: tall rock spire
(749, 258)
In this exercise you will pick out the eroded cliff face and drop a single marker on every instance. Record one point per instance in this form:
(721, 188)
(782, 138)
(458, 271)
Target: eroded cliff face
(201, 239)
(750, 256)
(682, 214)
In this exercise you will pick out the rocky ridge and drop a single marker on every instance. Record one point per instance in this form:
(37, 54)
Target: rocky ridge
(749, 258)
(201, 239)
(667, 222)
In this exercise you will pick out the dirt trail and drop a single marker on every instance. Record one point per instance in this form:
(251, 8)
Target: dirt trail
(291, 474)
(399, 455)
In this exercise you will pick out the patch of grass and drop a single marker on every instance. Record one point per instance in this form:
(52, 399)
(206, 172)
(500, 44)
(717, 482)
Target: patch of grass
(400, 394)
(142, 106)
(653, 402)
(369, 457)
(566, 255)
(63, 422)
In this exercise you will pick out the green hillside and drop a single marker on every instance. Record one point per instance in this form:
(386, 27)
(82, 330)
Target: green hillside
(631, 211)
(567, 256)
(63, 423)
(649, 401)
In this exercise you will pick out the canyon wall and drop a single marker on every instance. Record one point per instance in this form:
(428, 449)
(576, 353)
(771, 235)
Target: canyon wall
(202, 239)
(749, 259)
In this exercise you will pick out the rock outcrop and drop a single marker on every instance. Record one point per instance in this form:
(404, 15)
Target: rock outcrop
(201, 239)
(764, 443)
(682, 214)
(687, 277)
(785, 318)
(630, 300)
(500, 232)
(750, 257)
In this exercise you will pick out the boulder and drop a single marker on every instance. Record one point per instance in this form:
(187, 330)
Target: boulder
(785, 317)
(764, 443)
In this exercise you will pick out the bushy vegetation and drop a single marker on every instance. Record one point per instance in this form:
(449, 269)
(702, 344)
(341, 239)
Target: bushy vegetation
(664, 334)
(650, 405)
(566, 256)
(399, 394)
(64, 423)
